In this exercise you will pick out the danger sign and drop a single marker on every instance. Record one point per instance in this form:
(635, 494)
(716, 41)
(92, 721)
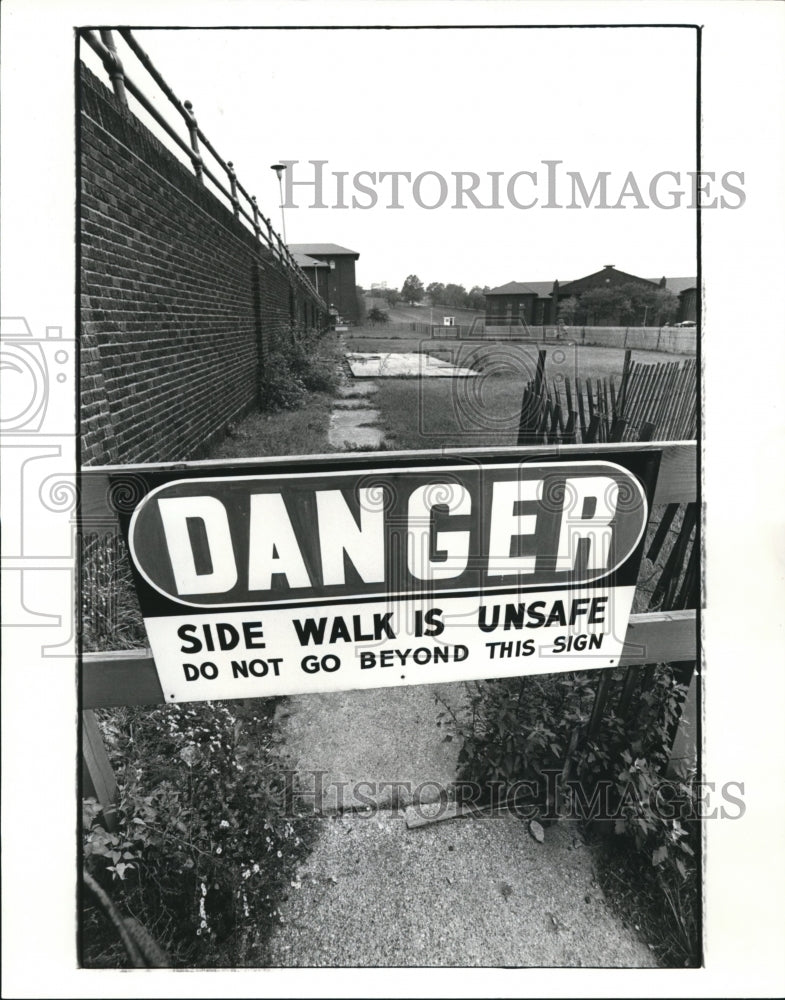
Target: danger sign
(360, 574)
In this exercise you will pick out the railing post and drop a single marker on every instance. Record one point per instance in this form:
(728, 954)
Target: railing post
(114, 67)
(233, 185)
(256, 226)
(193, 130)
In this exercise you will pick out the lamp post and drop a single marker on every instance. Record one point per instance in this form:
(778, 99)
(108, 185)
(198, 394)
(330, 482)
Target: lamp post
(279, 169)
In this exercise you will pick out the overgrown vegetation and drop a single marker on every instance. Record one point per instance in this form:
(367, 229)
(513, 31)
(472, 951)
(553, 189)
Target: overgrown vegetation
(203, 852)
(299, 363)
(613, 780)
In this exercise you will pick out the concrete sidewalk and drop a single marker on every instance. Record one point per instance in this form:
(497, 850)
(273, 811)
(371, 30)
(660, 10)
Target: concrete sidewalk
(465, 892)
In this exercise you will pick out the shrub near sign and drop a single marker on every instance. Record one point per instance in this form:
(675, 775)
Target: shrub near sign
(368, 575)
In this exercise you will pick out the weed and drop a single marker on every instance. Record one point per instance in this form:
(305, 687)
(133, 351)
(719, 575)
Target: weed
(203, 851)
(522, 729)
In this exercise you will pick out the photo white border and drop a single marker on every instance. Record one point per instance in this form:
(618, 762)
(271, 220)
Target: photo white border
(744, 684)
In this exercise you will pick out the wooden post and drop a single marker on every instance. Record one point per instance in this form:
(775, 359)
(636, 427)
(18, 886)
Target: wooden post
(600, 700)
(98, 778)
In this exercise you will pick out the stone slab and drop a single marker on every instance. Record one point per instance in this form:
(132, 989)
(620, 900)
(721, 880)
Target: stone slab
(354, 428)
(411, 364)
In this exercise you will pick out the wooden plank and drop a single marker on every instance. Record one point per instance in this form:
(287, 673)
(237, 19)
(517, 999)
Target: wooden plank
(617, 429)
(129, 677)
(646, 431)
(124, 677)
(677, 480)
(591, 431)
(661, 637)
(570, 429)
(581, 411)
(662, 531)
(98, 780)
(600, 701)
(652, 395)
(540, 376)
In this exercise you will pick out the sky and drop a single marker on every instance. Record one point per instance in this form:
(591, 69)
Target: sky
(482, 101)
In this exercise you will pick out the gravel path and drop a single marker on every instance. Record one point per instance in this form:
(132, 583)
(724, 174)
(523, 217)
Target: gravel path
(465, 892)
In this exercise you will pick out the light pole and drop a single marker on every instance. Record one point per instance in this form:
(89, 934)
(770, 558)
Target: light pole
(279, 169)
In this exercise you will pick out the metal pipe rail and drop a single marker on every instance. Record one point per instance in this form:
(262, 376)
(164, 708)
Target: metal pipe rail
(121, 82)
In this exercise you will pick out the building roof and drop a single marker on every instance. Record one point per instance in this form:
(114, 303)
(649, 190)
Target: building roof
(543, 289)
(305, 261)
(322, 250)
(678, 285)
(607, 271)
(519, 288)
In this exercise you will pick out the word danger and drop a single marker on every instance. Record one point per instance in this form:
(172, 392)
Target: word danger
(222, 543)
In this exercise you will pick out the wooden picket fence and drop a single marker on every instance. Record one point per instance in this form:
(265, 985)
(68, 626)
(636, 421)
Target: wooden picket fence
(647, 401)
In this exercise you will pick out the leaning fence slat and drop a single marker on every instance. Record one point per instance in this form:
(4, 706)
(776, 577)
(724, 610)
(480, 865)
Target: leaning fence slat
(590, 437)
(665, 590)
(662, 531)
(570, 431)
(581, 411)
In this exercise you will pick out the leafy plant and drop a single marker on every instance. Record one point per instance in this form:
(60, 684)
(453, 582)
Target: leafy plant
(203, 846)
(529, 729)
(299, 362)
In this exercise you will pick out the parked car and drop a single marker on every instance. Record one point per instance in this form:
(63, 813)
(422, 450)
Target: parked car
(686, 322)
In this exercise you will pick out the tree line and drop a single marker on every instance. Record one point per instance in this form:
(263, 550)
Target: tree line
(438, 294)
(630, 303)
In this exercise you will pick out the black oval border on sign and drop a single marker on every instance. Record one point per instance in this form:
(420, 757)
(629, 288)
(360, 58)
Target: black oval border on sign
(584, 466)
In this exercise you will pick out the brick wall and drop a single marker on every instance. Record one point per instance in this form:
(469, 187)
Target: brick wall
(179, 301)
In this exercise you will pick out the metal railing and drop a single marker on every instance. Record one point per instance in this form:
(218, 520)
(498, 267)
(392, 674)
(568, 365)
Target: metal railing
(243, 205)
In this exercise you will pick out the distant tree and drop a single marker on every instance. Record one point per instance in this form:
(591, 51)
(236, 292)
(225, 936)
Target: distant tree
(435, 293)
(665, 306)
(568, 309)
(391, 296)
(476, 297)
(455, 296)
(601, 305)
(377, 315)
(412, 290)
(645, 305)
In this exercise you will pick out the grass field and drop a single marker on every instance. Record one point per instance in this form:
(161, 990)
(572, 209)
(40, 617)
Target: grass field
(403, 313)
(510, 359)
(482, 411)
(288, 432)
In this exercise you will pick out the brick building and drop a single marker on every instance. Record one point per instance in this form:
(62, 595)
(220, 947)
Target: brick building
(331, 269)
(536, 303)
